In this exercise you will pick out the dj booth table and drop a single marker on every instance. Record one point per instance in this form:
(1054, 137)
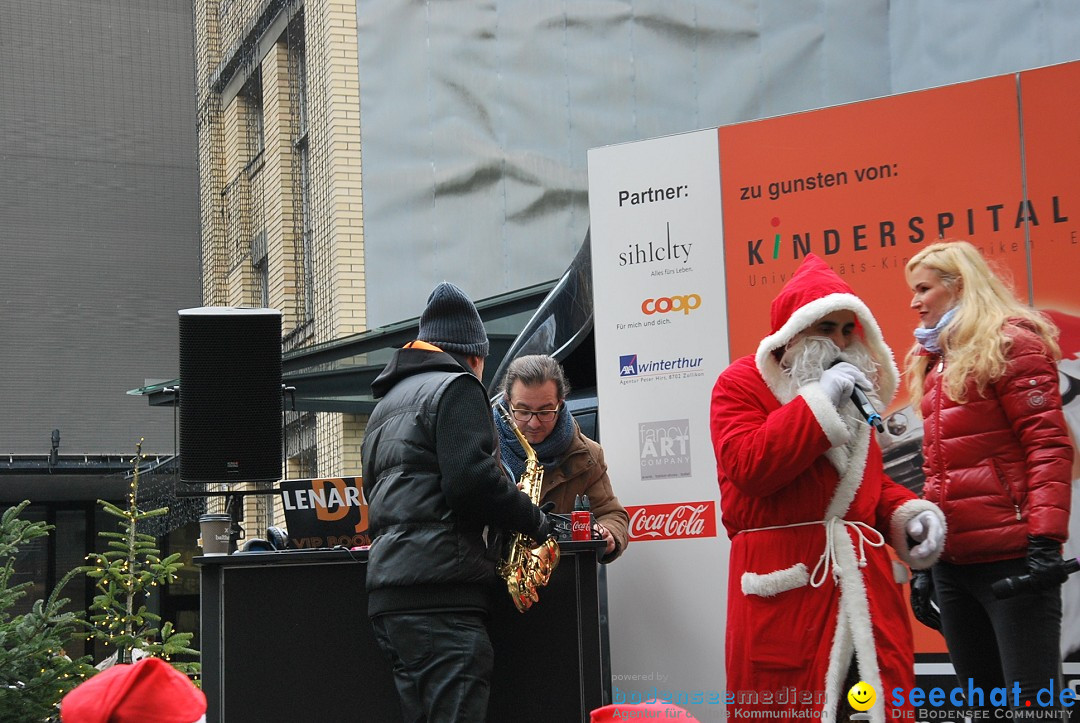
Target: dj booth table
(285, 636)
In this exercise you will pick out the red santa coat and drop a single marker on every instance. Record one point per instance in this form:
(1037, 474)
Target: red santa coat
(809, 509)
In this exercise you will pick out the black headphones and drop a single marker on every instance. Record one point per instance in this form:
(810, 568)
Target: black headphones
(276, 539)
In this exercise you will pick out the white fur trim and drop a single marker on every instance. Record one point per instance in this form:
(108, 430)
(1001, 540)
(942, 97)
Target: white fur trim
(853, 622)
(839, 659)
(804, 316)
(853, 459)
(898, 533)
(776, 582)
(826, 414)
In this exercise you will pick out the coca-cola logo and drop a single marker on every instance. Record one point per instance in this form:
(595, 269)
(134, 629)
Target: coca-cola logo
(673, 521)
(580, 525)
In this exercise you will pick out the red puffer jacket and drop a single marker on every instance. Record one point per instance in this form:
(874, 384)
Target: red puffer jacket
(999, 466)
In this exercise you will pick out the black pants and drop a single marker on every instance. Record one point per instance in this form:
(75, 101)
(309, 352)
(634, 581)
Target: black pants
(996, 643)
(442, 664)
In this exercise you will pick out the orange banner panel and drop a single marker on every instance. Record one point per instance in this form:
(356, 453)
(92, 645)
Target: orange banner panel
(865, 186)
(1050, 105)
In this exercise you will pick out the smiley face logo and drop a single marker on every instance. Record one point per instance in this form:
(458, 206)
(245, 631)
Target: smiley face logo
(861, 696)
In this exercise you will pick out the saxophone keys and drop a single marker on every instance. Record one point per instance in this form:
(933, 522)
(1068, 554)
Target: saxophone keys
(520, 600)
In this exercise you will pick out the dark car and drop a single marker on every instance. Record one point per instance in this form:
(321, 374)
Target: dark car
(901, 448)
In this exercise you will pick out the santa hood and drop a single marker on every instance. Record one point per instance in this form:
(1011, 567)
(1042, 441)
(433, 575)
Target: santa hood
(149, 691)
(814, 291)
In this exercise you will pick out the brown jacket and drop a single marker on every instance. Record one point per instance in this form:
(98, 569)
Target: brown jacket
(582, 470)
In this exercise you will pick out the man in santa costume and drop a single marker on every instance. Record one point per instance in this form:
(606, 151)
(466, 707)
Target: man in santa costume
(815, 602)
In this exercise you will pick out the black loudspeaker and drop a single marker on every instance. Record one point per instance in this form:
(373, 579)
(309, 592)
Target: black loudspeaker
(230, 395)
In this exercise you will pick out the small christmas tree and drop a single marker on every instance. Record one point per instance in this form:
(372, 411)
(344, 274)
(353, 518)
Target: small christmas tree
(35, 672)
(124, 576)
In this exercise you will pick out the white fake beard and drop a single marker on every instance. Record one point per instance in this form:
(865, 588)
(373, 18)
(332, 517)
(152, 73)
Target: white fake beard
(806, 358)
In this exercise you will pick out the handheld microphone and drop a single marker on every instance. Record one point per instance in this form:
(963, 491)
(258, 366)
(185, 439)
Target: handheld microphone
(862, 403)
(1010, 586)
(867, 409)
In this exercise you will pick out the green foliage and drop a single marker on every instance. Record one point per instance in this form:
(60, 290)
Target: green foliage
(35, 672)
(124, 576)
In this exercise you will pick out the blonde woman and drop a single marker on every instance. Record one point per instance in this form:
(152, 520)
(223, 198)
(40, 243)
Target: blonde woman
(998, 463)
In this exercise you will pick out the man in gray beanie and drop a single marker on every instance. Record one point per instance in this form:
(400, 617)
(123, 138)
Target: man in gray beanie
(433, 482)
(452, 323)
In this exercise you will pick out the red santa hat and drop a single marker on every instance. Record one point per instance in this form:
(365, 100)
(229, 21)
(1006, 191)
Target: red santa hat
(659, 710)
(814, 291)
(149, 691)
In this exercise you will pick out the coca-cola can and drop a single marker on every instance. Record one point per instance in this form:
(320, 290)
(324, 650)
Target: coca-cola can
(580, 525)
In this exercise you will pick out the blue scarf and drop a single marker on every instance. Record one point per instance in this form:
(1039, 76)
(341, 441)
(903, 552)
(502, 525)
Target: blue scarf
(548, 453)
(929, 337)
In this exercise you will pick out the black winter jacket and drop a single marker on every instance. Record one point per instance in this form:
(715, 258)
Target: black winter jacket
(432, 482)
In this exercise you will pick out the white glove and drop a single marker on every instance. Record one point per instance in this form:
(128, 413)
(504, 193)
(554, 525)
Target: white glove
(925, 528)
(839, 381)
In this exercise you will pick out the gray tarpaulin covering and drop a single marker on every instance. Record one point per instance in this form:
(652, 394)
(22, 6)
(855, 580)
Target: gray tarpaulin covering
(476, 116)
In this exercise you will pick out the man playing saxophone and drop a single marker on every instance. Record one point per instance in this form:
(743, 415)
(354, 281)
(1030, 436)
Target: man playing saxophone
(433, 482)
(534, 390)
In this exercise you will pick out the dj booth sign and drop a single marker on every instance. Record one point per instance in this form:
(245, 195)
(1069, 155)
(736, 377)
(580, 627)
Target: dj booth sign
(325, 513)
(285, 636)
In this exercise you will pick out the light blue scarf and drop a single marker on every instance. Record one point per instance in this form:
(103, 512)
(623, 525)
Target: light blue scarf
(929, 337)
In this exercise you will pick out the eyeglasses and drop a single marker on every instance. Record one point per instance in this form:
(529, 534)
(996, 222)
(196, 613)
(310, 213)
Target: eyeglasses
(544, 415)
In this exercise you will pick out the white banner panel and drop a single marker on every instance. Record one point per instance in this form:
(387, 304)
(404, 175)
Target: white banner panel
(661, 341)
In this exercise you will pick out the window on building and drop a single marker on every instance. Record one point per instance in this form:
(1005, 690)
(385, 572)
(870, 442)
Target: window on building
(255, 118)
(307, 230)
(298, 87)
(260, 263)
(300, 446)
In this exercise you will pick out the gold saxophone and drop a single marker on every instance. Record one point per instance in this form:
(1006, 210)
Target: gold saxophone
(526, 568)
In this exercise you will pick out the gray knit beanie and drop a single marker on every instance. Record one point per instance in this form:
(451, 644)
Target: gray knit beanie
(452, 323)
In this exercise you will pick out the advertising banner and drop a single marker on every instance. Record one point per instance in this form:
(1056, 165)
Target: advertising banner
(661, 339)
(1050, 106)
(682, 276)
(866, 186)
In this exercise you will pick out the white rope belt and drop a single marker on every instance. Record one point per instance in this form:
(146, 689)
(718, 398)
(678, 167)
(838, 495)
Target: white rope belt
(828, 560)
